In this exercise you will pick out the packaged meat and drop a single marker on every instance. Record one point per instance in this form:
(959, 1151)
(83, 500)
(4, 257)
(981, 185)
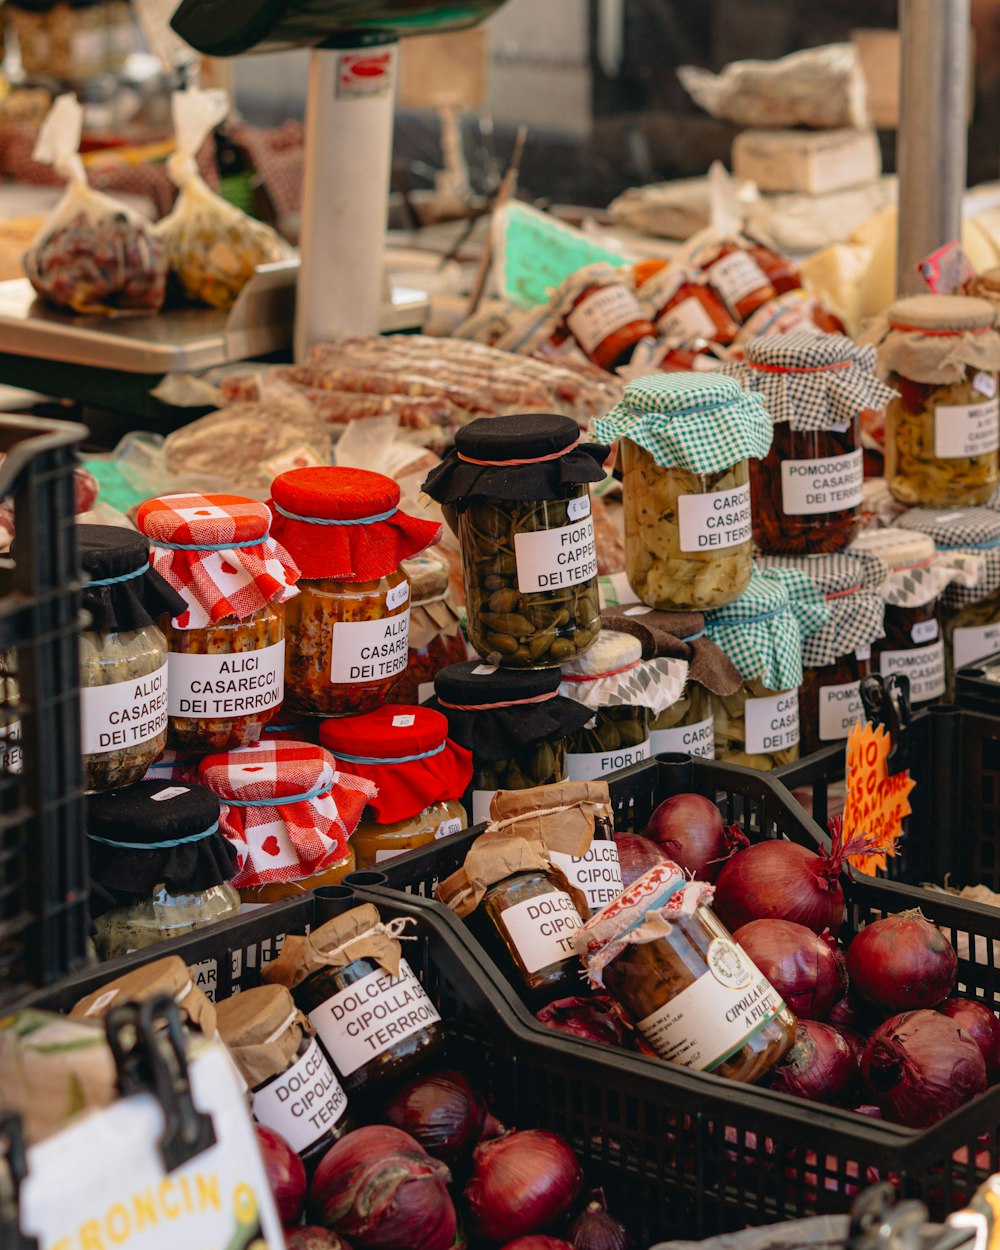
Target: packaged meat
(92, 255)
(213, 248)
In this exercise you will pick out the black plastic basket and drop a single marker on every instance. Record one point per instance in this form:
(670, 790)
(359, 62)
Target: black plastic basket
(977, 686)
(953, 835)
(43, 902)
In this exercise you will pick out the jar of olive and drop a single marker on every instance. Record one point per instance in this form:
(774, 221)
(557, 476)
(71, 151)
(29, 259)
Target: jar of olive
(519, 487)
(693, 994)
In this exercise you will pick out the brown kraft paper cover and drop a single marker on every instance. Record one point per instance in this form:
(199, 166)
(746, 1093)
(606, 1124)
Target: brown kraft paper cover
(262, 1029)
(525, 826)
(165, 976)
(357, 934)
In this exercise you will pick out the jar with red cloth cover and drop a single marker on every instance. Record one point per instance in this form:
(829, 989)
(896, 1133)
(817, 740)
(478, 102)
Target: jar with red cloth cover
(419, 773)
(436, 638)
(348, 630)
(226, 661)
(288, 814)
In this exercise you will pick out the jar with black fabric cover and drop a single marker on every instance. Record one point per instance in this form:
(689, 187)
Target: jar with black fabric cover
(123, 657)
(519, 487)
(159, 867)
(514, 721)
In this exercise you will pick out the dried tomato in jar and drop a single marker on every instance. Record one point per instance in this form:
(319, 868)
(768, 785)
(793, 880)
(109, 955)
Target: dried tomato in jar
(807, 489)
(684, 309)
(780, 271)
(735, 274)
(226, 667)
(348, 629)
(603, 314)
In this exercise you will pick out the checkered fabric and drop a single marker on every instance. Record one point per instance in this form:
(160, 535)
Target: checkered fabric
(969, 532)
(812, 381)
(701, 422)
(231, 581)
(305, 829)
(762, 631)
(918, 572)
(851, 586)
(612, 673)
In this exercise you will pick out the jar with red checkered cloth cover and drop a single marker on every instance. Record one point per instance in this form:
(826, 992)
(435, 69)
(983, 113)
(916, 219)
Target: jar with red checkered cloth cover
(227, 649)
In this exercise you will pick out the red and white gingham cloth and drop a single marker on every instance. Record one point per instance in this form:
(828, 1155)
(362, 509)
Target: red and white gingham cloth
(295, 836)
(232, 581)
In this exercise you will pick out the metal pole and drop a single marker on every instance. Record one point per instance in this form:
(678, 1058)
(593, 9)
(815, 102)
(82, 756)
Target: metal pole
(934, 97)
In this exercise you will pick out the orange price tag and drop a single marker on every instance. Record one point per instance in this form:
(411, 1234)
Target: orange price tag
(877, 802)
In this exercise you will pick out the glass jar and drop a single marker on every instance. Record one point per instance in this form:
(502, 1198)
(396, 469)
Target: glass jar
(830, 700)
(687, 535)
(436, 638)
(693, 993)
(739, 279)
(780, 272)
(275, 891)
(606, 319)
(538, 764)
(757, 727)
(161, 917)
(417, 684)
(374, 843)
(371, 623)
(683, 310)
(686, 727)
(616, 738)
(941, 354)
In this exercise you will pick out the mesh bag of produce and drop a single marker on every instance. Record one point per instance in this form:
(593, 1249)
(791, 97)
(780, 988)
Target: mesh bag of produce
(92, 254)
(213, 247)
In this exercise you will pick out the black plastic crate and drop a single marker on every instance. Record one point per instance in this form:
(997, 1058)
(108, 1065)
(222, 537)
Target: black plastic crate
(953, 835)
(43, 904)
(977, 686)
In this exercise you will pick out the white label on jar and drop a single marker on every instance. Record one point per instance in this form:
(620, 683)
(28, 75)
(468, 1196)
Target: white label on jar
(772, 723)
(864, 652)
(123, 715)
(11, 755)
(975, 642)
(303, 1103)
(840, 709)
(240, 684)
(985, 384)
(696, 739)
(361, 1022)
(925, 631)
(454, 825)
(397, 595)
(923, 665)
(425, 691)
(828, 484)
(687, 321)
(578, 508)
(481, 800)
(589, 765)
(369, 650)
(542, 928)
(716, 520)
(553, 559)
(601, 314)
(736, 276)
(598, 873)
(709, 1021)
(966, 429)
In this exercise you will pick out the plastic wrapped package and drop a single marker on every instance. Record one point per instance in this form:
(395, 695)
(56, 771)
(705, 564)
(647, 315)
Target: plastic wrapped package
(92, 255)
(213, 248)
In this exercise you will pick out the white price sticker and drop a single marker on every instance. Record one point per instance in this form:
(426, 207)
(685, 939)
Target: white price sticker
(555, 559)
(598, 873)
(403, 722)
(602, 313)
(772, 723)
(828, 484)
(446, 827)
(114, 718)
(590, 765)
(240, 684)
(715, 521)
(578, 508)
(925, 631)
(365, 651)
(840, 709)
(303, 1102)
(985, 384)
(542, 929)
(397, 596)
(923, 665)
(171, 792)
(697, 739)
(962, 430)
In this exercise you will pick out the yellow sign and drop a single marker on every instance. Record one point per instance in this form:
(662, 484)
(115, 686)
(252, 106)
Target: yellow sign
(877, 801)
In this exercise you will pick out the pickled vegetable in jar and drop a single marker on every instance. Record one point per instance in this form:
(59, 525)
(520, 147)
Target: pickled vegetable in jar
(692, 992)
(417, 774)
(733, 271)
(685, 443)
(687, 725)
(371, 1014)
(348, 629)
(227, 648)
(123, 657)
(603, 314)
(941, 353)
(762, 632)
(622, 691)
(287, 813)
(914, 630)
(807, 489)
(967, 541)
(837, 655)
(519, 486)
(526, 918)
(436, 638)
(159, 866)
(293, 1088)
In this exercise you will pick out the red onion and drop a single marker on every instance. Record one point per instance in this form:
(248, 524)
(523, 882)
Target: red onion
(920, 1066)
(637, 855)
(286, 1174)
(819, 1066)
(689, 829)
(902, 962)
(441, 1111)
(593, 1019)
(380, 1189)
(537, 1241)
(782, 881)
(312, 1237)
(522, 1183)
(856, 1042)
(981, 1025)
(596, 1229)
(807, 970)
(850, 1013)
